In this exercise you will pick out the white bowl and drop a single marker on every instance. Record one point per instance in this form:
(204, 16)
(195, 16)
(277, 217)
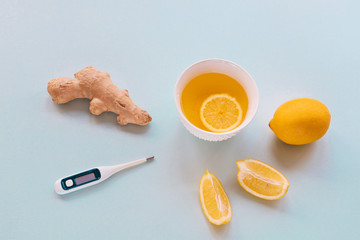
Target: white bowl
(230, 69)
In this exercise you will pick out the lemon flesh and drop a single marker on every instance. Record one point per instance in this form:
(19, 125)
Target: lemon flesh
(220, 113)
(301, 121)
(261, 180)
(214, 201)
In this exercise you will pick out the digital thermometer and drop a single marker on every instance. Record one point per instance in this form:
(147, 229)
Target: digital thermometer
(91, 177)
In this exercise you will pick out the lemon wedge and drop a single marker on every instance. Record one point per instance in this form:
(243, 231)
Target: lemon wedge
(214, 201)
(261, 180)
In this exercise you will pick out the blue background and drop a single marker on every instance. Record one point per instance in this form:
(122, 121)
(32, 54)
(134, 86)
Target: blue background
(291, 48)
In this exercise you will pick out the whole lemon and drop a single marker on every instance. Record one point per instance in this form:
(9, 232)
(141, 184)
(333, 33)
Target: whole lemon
(301, 121)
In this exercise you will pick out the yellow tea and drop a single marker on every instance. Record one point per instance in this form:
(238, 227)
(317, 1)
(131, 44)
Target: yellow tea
(205, 85)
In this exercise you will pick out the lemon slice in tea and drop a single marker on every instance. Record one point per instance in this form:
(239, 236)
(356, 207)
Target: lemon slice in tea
(220, 113)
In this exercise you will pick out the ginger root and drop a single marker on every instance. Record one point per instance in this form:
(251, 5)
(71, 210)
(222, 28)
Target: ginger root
(104, 95)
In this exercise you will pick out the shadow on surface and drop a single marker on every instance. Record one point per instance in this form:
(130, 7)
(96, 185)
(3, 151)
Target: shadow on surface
(291, 156)
(106, 118)
(220, 231)
(77, 105)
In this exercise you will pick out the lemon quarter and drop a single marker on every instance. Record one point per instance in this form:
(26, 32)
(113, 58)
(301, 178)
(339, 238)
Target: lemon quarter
(214, 201)
(261, 180)
(220, 113)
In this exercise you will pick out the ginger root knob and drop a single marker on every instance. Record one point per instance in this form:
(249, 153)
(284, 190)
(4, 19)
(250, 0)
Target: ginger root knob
(105, 96)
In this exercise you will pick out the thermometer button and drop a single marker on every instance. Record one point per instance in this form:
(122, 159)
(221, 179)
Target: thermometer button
(69, 183)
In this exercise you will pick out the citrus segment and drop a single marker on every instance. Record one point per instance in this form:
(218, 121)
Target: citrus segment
(220, 113)
(214, 201)
(261, 180)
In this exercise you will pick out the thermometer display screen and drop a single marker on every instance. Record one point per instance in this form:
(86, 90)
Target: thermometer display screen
(80, 179)
(86, 178)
